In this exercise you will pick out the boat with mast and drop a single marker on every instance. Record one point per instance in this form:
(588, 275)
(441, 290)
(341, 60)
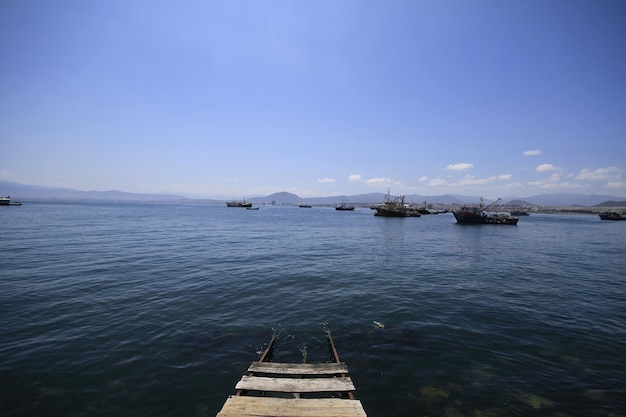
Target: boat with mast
(395, 207)
(478, 214)
(236, 203)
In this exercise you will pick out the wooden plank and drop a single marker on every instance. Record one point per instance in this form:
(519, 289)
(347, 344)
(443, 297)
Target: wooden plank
(282, 407)
(298, 368)
(269, 348)
(258, 383)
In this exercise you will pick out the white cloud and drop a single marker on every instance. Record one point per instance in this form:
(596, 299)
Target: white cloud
(470, 180)
(615, 184)
(514, 186)
(505, 177)
(546, 168)
(532, 153)
(554, 182)
(438, 182)
(327, 180)
(382, 181)
(463, 166)
(598, 174)
(423, 179)
(354, 178)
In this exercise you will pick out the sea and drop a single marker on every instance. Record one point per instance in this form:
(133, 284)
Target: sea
(157, 309)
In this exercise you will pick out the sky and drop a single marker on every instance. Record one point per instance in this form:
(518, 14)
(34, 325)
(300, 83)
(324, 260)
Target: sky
(232, 99)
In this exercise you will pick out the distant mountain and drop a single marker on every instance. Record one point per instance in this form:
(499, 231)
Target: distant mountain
(362, 199)
(612, 204)
(279, 198)
(22, 192)
(567, 199)
(520, 203)
(549, 200)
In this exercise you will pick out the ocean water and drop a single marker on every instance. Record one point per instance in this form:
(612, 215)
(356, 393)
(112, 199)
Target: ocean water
(157, 309)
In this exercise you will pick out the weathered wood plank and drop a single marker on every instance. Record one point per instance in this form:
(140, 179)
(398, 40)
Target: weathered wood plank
(258, 383)
(298, 368)
(282, 407)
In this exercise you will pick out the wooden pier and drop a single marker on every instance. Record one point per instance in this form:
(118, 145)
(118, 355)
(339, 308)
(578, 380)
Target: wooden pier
(294, 389)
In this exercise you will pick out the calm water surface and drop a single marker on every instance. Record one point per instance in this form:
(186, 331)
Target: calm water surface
(133, 309)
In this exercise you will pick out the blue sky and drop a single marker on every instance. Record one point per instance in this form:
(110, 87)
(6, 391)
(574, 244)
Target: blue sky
(242, 98)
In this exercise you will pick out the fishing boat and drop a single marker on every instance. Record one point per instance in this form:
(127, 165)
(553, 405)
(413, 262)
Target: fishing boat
(394, 207)
(610, 215)
(304, 205)
(6, 201)
(236, 203)
(423, 209)
(518, 213)
(294, 389)
(478, 214)
(344, 206)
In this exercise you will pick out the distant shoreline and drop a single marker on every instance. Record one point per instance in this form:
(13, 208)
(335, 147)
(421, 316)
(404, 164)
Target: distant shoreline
(434, 206)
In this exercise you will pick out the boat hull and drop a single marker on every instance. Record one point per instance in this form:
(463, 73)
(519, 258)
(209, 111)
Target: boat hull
(470, 218)
(6, 201)
(238, 204)
(384, 212)
(604, 216)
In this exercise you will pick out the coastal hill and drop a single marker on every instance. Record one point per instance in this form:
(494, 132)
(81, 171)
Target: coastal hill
(24, 192)
(544, 200)
(34, 192)
(611, 204)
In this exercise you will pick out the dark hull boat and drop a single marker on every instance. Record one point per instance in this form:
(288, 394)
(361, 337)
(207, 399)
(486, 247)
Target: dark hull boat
(6, 201)
(235, 203)
(612, 216)
(478, 215)
(395, 207)
(344, 207)
(386, 212)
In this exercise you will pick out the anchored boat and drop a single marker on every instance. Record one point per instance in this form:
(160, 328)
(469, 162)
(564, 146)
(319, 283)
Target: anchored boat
(478, 215)
(611, 215)
(6, 201)
(395, 207)
(294, 389)
(344, 207)
(235, 203)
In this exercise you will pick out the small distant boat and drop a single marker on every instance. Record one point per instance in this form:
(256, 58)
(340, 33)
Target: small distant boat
(423, 209)
(610, 215)
(235, 203)
(478, 215)
(518, 213)
(344, 207)
(304, 205)
(252, 208)
(6, 201)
